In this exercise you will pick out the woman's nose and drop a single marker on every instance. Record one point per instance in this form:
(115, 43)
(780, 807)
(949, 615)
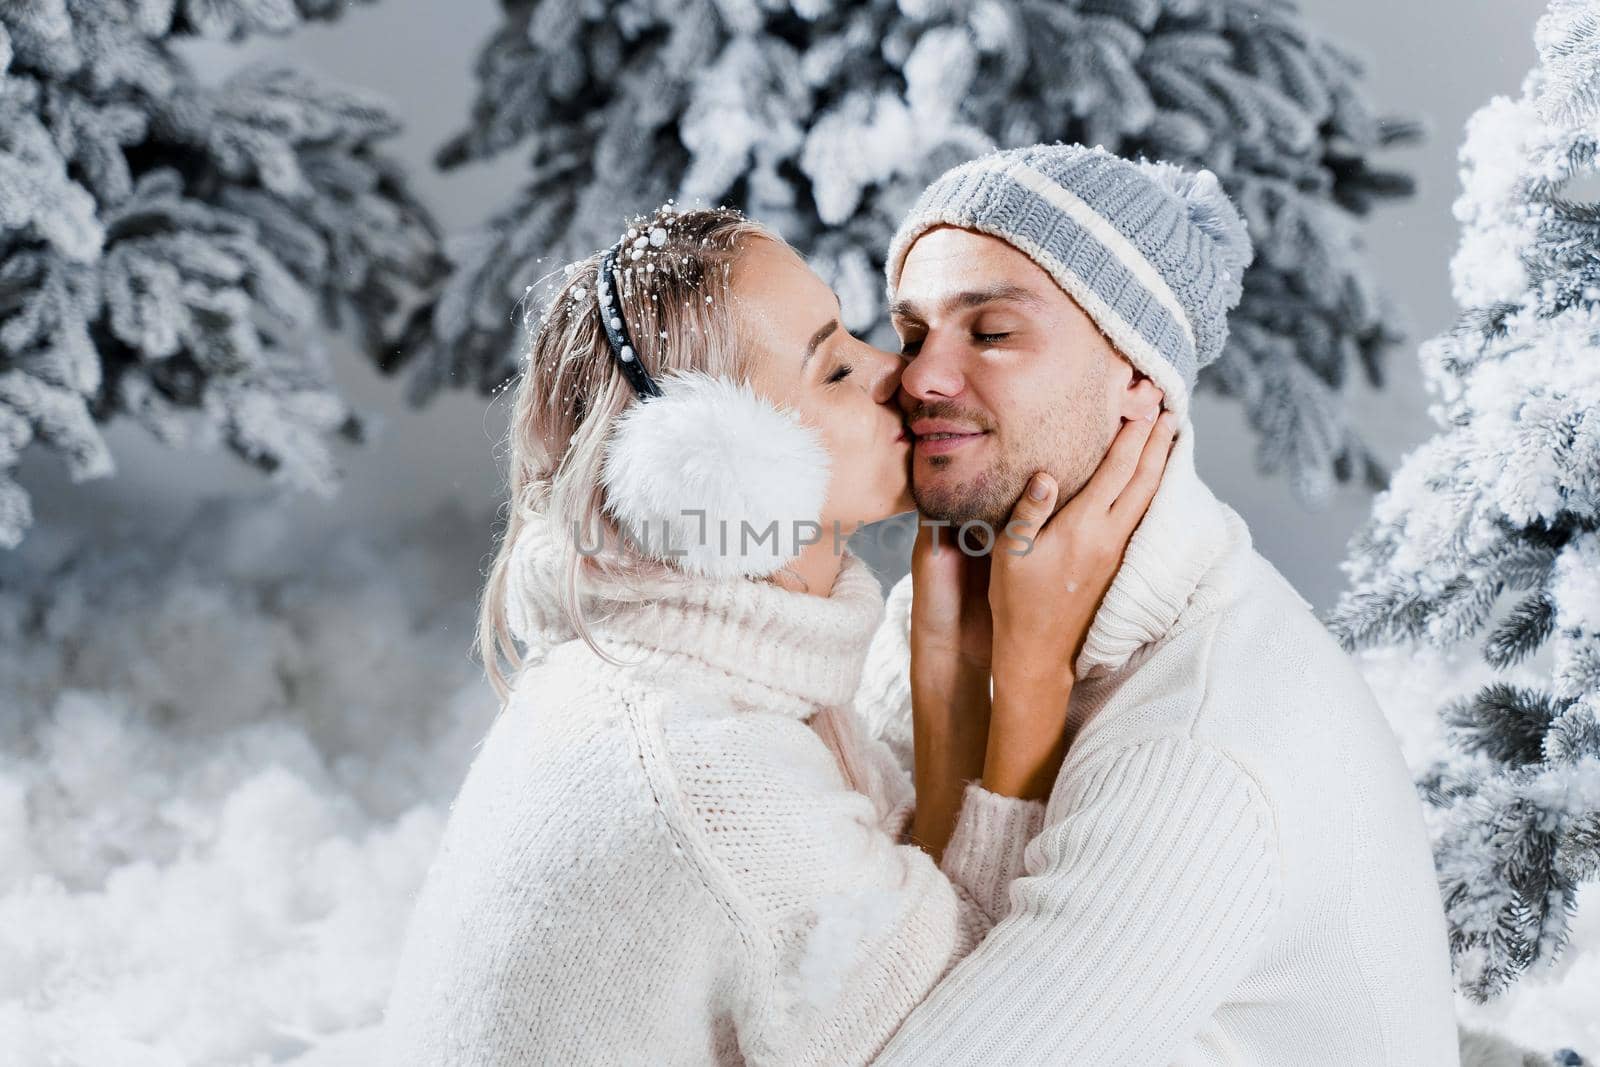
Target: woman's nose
(886, 368)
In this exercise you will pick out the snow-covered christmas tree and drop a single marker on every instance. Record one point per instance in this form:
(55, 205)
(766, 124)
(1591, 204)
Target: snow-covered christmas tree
(1484, 555)
(170, 250)
(825, 118)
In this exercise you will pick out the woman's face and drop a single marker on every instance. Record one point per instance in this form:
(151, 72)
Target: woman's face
(840, 386)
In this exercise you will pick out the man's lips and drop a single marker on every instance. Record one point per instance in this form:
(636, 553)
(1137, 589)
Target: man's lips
(936, 437)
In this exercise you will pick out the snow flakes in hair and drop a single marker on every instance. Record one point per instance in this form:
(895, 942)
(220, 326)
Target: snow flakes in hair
(715, 479)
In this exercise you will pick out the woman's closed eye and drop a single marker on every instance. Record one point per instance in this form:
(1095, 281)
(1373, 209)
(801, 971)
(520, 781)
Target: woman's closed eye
(990, 338)
(840, 373)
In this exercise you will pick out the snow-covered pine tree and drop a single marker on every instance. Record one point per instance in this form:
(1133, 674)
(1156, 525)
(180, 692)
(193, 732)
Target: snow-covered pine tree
(825, 118)
(1491, 530)
(169, 248)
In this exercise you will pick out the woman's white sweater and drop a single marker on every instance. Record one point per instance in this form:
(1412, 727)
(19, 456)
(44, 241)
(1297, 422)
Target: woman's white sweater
(666, 862)
(1234, 867)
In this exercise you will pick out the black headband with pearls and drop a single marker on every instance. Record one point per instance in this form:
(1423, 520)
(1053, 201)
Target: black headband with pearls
(622, 348)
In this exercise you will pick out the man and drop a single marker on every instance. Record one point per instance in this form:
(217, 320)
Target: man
(1234, 867)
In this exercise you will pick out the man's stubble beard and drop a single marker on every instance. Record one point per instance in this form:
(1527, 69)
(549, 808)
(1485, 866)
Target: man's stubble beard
(1067, 440)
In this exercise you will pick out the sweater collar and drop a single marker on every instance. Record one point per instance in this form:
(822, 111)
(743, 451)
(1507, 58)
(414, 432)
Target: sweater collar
(751, 642)
(1183, 534)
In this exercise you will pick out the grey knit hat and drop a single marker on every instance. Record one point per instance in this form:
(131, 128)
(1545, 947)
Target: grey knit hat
(1152, 252)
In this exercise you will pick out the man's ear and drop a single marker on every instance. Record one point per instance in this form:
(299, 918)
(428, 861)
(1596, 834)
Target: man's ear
(1140, 397)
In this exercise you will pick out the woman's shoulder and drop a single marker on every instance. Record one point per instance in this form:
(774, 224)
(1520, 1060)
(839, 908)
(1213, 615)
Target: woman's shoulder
(571, 797)
(738, 790)
(554, 732)
(711, 743)
(561, 848)
(679, 740)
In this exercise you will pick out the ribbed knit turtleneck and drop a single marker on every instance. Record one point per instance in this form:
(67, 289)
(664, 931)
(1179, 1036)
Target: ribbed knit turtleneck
(1182, 535)
(756, 643)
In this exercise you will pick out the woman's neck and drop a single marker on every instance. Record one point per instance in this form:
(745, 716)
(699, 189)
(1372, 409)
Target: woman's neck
(814, 570)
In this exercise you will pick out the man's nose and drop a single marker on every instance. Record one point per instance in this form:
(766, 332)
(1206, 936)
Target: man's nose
(934, 373)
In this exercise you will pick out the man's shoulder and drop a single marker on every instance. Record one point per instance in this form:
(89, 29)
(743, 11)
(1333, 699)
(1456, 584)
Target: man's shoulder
(1251, 660)
(1267, 636)
(1274, 687)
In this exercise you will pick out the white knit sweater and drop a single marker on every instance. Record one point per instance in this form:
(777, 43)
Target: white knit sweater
(666, 863)
(1234, 867)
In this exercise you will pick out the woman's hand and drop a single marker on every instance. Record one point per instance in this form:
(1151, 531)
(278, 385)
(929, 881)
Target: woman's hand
(1044, 597)
(950, 603)
(951, 637)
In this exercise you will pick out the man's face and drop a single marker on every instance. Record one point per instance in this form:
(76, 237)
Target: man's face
(1005, 375)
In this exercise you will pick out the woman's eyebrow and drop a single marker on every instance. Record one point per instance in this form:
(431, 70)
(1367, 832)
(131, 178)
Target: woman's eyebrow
(816, 339)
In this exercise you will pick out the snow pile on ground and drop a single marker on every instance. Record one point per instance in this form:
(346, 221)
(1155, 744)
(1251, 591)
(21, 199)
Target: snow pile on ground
(225, 763)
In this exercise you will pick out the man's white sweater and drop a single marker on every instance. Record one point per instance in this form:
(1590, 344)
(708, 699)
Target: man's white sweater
(1234, 867)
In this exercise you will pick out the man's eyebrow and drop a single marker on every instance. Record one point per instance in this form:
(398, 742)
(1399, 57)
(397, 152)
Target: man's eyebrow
(816, 339)
(971, 298)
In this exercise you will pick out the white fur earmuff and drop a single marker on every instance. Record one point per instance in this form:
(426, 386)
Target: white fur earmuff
(715, 479)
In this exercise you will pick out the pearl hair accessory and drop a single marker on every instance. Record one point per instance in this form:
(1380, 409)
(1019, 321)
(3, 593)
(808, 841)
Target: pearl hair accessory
(616, 330)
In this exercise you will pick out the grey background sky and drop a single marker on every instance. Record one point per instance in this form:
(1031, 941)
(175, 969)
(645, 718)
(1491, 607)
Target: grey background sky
(1440, 59)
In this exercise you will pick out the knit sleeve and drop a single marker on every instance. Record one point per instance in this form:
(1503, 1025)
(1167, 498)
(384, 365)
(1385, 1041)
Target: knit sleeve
(562, 920)
(883, 698)
(991, 832)
(852, 928)
(985, 853)
(1145, 898)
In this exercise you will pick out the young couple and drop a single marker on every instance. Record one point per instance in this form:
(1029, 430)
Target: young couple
(1118, 799)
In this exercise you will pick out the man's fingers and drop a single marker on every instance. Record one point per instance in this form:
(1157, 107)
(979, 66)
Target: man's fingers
(1031, 511)
(1141, 488)
(1111, 477)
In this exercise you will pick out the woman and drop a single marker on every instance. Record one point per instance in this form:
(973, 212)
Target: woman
(675, 845)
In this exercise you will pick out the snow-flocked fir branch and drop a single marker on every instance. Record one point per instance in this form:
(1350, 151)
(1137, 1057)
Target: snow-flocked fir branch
(1490, 531)
(171, 250)
(825, 119)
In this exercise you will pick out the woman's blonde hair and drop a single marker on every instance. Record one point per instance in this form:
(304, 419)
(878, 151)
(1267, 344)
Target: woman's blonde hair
(672, 296)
